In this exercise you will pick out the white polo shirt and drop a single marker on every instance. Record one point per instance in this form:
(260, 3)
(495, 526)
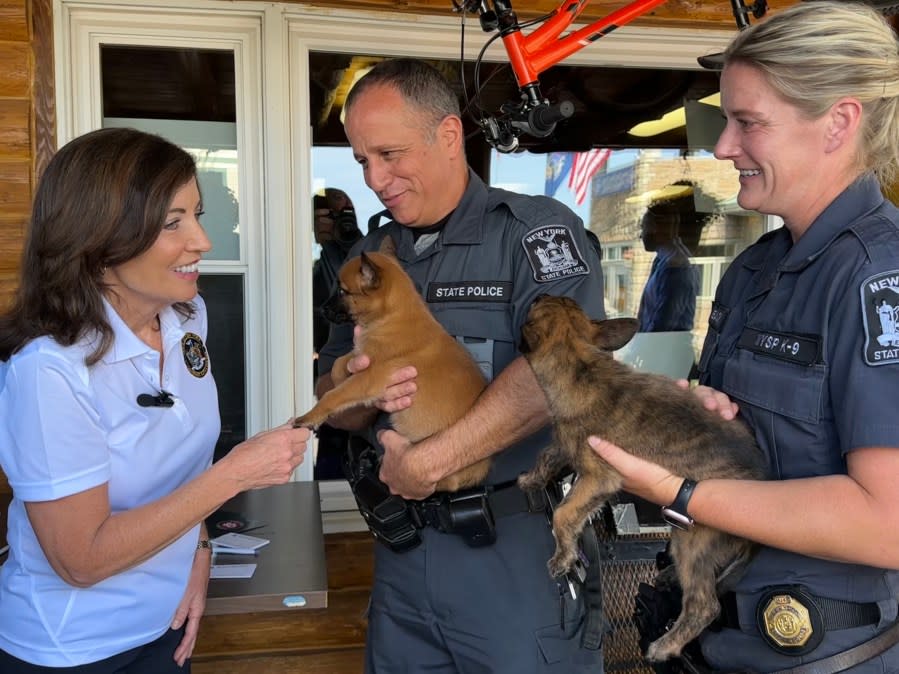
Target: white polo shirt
(65, 428)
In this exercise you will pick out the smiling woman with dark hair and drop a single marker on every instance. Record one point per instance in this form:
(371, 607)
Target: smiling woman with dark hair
(109, 416)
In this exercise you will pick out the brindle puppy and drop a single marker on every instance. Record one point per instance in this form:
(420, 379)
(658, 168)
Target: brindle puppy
(648, 415)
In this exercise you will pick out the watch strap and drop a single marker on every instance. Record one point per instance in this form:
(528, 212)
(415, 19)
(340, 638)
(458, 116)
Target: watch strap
(676, 514)
(684, 494)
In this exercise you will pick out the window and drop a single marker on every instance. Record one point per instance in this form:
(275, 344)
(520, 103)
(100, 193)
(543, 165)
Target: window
(251, 75)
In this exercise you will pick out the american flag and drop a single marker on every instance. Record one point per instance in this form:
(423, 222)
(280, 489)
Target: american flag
(585, 166)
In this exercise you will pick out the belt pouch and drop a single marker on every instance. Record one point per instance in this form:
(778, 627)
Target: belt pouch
(471, 518)
(386, 515)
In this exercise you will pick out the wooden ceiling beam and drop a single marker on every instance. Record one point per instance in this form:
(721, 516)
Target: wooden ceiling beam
(674, 13)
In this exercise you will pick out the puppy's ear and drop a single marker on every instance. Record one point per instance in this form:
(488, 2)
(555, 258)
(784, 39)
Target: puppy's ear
(388, 246)
(370, 273)
(612, 334)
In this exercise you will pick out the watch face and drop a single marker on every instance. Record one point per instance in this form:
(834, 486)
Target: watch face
(676, 519)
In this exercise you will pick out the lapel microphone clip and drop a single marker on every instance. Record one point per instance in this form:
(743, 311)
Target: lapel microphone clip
(161, 399)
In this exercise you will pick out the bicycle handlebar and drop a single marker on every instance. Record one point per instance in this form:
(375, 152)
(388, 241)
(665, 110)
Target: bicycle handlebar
(535, 119)
(545, 46)
(542, 120)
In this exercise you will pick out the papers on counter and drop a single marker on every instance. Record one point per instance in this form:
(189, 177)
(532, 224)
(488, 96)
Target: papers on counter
(238, 543)
(232, 570)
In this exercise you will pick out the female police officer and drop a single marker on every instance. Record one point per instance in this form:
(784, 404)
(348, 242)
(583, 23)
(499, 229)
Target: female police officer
(811, 100)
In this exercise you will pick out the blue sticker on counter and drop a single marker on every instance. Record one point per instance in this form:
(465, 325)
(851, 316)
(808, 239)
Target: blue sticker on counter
(294, 601)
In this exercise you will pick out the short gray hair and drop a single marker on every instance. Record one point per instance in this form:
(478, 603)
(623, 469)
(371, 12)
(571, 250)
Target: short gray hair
(420, 84)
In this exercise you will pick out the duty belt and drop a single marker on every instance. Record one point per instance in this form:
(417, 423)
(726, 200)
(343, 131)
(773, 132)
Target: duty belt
(472, 513)
(793, 621)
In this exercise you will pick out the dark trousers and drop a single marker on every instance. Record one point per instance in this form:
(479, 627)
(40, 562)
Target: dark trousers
(155, 657)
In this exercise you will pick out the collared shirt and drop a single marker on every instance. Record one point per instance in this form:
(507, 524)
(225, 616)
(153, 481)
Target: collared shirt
(790, 340)
(496, 254)
(68, 428)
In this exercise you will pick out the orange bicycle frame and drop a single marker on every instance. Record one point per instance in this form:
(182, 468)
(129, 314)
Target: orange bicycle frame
(531, 54)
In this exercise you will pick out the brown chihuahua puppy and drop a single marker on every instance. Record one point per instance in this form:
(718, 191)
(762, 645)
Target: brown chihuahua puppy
(398, 330)
(590, 393)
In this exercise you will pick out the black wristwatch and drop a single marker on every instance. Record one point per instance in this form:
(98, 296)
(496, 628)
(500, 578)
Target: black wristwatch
(676, 513)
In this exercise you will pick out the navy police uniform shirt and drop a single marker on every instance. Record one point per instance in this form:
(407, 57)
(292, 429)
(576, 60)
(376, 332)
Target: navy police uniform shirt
(804, 338)
(497, 252)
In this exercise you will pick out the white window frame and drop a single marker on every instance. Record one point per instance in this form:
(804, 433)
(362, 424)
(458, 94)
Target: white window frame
(268, 240)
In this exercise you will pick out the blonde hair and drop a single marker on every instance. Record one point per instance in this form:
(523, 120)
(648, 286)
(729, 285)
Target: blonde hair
(814, 53)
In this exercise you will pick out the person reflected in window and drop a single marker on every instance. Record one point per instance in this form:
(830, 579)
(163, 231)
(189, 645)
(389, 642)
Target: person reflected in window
(336, 230)
(671, 228)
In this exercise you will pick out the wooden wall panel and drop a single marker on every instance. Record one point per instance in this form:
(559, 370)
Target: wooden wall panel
(15, 75)
(15, 116)
(13, 20)
(15, 185)
(17, 134)
(27, 122)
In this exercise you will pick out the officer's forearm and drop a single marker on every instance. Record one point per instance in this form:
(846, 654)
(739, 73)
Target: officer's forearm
(510, 409)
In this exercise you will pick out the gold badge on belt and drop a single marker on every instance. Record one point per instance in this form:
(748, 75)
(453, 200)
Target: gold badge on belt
(789, 620)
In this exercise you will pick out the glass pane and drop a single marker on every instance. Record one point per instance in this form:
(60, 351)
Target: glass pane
(186, 96)
(708, 235)
(224, 296)
(337, 186)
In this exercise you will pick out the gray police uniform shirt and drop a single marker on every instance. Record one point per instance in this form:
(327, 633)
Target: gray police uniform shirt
(804, 337)
(497, 252)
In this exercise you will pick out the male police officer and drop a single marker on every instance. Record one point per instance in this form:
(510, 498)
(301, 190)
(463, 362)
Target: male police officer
(439, 603)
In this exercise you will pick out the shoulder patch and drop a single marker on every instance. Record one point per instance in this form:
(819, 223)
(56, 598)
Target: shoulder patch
(195, 357)
(880, 315)
(553, 253)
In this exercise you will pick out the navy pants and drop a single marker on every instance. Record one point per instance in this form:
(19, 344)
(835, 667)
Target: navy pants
(445, 607)
(155, 657)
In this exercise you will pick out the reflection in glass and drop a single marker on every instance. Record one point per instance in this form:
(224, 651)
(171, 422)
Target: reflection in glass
(224, 297)
(214, 147)
(618, 196)
(670, 228)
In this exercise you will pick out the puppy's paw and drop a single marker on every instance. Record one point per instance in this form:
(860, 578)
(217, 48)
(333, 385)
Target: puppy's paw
(560, 563)
(306, 421)
(662, 649)
(530, 482)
